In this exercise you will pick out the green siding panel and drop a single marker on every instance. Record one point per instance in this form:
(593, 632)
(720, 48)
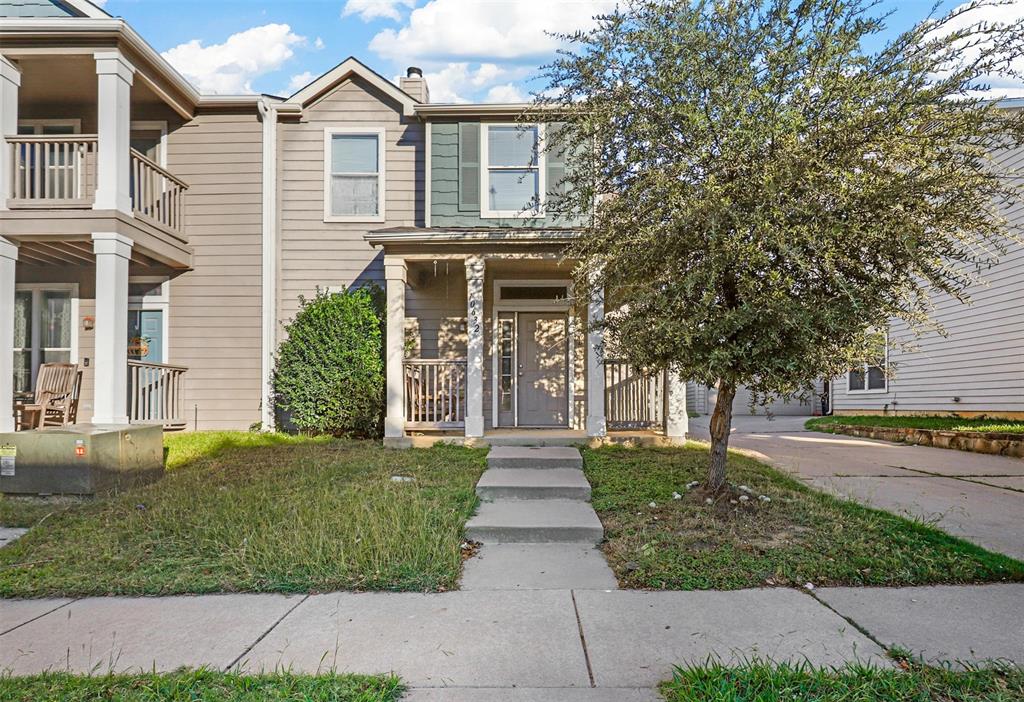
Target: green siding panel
(444, 188)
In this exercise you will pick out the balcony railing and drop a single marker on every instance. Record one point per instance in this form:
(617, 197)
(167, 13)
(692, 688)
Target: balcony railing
(633, 399)
(60, 171)
(53, 171)
(156, 394)
(157, 194)
(435, 393)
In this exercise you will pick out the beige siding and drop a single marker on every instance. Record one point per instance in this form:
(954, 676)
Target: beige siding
(334, 255)
(215, 316)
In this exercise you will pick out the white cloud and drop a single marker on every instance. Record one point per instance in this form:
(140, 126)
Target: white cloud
(376, 9)
(230, 67)
(318, 43)
(299, 80)
(505, 93)
(464, 30)
(1008, 84)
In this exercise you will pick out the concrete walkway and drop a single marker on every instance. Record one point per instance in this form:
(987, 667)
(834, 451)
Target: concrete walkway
(562, 644)
(536, 524)
(976, 496)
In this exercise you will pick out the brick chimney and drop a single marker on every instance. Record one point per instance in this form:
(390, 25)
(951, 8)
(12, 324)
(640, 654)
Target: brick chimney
(414, 84)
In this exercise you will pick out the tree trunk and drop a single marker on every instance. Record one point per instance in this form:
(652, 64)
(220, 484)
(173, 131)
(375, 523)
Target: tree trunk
(721, 423)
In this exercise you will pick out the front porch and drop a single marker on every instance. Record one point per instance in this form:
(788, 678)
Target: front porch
(488, 345)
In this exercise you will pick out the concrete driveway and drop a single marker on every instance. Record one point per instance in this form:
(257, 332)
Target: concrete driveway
(975, 496)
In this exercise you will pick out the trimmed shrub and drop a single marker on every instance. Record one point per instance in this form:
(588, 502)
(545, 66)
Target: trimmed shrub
(329, 375)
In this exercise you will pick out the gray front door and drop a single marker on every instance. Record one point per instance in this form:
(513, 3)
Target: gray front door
(542, 387)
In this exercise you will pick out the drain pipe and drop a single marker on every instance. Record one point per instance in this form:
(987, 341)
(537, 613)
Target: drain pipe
(268, 115)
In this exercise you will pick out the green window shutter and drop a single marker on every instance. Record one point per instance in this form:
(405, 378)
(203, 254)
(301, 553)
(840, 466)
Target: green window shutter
(469, 166)
(554, 152)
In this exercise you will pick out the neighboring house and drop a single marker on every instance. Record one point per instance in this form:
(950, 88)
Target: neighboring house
(701, 399)
(161, 238)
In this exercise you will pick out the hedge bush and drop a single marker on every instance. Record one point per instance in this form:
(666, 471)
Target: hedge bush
(329, 374)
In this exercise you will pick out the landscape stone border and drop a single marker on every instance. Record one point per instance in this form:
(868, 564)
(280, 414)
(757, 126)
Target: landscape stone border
(996, 443)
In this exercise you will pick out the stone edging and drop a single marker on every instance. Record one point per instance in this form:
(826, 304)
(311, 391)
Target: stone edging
(997, 443)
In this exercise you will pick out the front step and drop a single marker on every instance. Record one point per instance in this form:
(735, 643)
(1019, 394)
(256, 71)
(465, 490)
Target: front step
(535, 521)
(533, 484)
(534, 457)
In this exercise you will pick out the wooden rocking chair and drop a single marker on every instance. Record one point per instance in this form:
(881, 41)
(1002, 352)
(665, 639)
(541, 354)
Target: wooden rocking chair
(56, 397)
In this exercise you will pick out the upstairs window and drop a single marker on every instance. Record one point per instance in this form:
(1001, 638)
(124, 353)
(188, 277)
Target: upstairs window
(871, 377)
(354, 175)
(513, 172)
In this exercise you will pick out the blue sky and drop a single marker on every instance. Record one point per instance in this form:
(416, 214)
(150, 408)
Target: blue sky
(471, 50)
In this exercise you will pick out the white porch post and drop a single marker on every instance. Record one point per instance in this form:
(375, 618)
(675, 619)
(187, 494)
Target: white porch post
(10, 81)
(677, 422)
(8, 257)
(597, 424)
(395, 272)
(110, 361)
(115, 76)
(475, 346)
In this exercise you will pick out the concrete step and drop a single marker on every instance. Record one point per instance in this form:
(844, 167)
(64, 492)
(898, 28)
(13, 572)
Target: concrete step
(534, 457)
(535, 521)
(538, 567)
(533, 484)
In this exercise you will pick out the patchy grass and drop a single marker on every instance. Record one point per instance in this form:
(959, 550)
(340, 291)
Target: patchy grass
(255, 512)
(799, 536)
(766, 682)
(187, 686)
(831, 424)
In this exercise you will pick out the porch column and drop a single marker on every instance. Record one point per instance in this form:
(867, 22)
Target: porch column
(596, 422)
(10, 81)
(113, 160)
(677, 422)
(395, 272)
(8, 257)
(110, 358)
(475, 346)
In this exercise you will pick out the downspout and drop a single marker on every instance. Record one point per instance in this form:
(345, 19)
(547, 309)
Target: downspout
(268, 115)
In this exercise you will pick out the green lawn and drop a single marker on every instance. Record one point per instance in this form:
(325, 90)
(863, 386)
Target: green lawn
(255, 512)
(763, 682)
(190, 686)
(947, 423)
(799, 536)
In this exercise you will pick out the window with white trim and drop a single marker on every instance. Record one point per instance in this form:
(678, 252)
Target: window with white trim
(513, 170)
(354, 175)
(872, 376)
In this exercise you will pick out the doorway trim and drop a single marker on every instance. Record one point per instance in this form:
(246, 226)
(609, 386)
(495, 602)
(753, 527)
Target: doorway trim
(498, 307)
(159, 302)
(156, 125)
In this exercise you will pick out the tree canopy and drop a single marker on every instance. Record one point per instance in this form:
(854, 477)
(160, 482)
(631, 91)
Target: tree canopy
(770, 188)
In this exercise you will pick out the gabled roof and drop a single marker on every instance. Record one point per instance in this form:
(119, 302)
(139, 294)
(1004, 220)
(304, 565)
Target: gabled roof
(345, 70)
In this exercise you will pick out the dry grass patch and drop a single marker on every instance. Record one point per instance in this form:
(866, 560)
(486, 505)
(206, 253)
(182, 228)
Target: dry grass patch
(799, 536)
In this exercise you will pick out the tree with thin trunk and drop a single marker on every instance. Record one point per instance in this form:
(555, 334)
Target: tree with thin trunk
(766, 184)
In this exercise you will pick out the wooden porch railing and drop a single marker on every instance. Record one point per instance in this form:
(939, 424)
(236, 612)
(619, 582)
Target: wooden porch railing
(435, 393)
(156, 394)
(52, 171)
(157, 194)
(633, 399)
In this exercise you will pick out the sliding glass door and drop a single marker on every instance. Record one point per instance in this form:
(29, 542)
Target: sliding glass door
(43, 332)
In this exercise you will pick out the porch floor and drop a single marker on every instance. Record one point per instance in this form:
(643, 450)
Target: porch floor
(545, 437)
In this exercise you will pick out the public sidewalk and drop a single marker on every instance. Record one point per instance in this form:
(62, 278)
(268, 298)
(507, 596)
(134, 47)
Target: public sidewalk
(605, 645)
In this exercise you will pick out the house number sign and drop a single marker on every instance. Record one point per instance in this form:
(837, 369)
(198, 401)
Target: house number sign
(474, 316)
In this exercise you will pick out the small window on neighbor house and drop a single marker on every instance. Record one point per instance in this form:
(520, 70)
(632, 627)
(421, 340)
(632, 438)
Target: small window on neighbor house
(872, 376)
(355, 187)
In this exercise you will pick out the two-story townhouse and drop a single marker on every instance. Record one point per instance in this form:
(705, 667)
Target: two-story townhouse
(161, 238)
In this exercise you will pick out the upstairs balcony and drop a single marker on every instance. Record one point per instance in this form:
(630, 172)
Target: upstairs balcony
(60, 172)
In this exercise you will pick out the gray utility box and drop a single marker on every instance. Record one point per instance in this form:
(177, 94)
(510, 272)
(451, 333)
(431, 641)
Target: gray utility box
(81, 459)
